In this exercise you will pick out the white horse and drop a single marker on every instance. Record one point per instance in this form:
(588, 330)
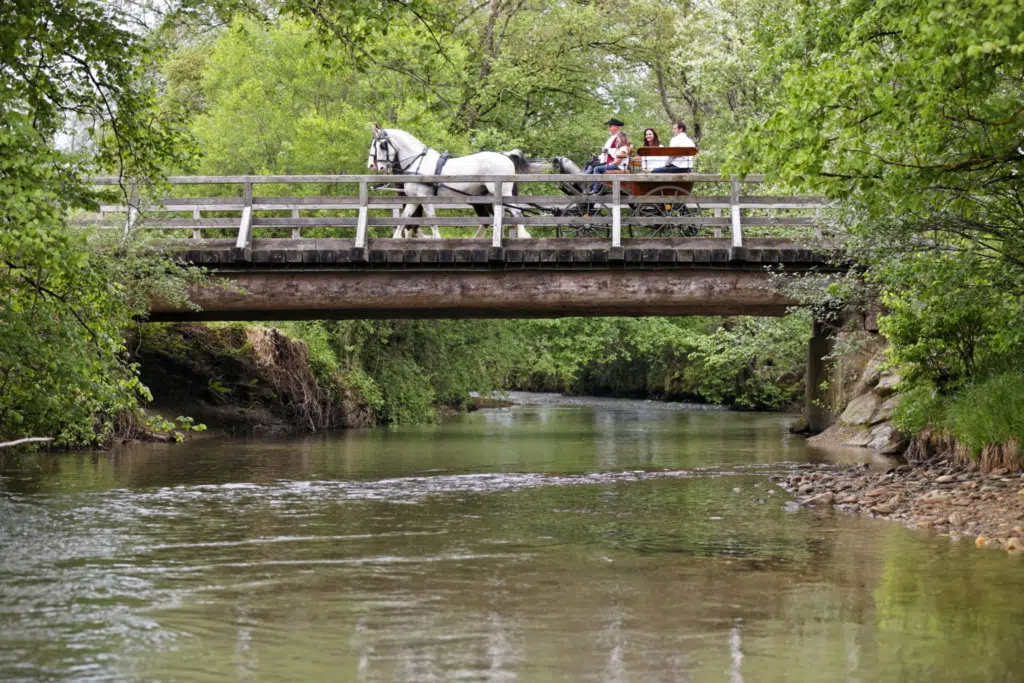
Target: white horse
(400, 153)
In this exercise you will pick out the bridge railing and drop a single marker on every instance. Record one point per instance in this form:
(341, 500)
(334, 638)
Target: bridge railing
(662, 213)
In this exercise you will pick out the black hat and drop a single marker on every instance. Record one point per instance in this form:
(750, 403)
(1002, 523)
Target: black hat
(613, 122)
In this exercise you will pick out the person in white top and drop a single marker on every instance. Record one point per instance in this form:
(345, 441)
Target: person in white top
(679, 139)
(615, 153)
(648, 163)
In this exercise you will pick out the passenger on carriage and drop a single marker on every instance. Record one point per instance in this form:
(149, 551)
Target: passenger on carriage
(615, 153)
(648, 163)
(678, 164)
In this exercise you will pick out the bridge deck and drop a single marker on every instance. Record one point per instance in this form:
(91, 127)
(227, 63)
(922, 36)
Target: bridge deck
(566, 253)
(280, 279)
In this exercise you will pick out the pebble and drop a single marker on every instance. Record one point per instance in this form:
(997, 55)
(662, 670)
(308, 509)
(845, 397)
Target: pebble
(827, 498)
(948, 496)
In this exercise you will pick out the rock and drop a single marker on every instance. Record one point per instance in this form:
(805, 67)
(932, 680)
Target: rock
(934, 497)
(983, 541)
(1015, 545)
(884, 411)
(944, 479)
(859, 440)
(800, 426)
(809, 488)
(887, 384)
(869, 375)
(881, 435)
(848, 499)
(955, 519)
(860, 410)
(827, 498)
(883, 509)
(791, 506)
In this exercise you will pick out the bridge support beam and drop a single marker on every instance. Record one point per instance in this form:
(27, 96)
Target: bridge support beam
(819, 414)
(311, 295)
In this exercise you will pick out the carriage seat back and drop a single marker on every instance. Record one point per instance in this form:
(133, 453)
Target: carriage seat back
(666, 151)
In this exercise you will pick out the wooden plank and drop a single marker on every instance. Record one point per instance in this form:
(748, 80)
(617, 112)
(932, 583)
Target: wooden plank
(245, 230)
(422, 179)
(499, 211)
(616, 212)
(779, 221)
(461, 202)
(361, 223)
(734, 212)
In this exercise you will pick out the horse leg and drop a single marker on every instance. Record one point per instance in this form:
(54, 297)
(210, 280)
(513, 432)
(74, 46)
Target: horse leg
(433, 226)
(409, 211)
(484, 211)
(517, 213)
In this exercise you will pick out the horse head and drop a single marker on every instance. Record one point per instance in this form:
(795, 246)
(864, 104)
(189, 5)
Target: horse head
(383, 155)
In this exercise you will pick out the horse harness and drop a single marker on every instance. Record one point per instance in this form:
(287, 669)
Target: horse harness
(394, 161)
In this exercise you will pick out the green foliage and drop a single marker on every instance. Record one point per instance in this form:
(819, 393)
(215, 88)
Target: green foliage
(949, 319)
(69, 71)
(746, 362)
(920, 408)
(989, 412)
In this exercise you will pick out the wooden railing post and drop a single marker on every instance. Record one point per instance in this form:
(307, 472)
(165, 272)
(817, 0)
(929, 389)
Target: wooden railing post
(197, 233)
(818, 232)
(734, 211)
(616, 212)
(718, 228)
(363, 212)
(499, 214)
(243, 245)
(296, 232)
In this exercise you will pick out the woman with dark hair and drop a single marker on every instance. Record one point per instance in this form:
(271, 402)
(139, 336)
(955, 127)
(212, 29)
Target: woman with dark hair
(651, 139)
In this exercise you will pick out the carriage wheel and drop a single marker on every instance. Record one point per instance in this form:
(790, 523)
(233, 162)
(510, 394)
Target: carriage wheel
(583, 209)
(666, 210)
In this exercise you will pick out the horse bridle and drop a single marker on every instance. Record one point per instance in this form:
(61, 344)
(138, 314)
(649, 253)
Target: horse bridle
(386, 147)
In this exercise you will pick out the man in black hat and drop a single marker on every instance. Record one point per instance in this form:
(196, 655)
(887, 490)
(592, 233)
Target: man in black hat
(615, 153)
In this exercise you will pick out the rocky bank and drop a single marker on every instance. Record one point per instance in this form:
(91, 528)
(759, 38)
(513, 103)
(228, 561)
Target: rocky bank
(941, 488)
(952, 498)
(865, 420)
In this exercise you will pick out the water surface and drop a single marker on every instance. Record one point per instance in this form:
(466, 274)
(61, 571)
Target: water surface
(559, 540)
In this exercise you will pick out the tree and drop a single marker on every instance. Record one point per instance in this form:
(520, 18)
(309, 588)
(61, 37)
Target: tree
(70, 67)
(910, 108)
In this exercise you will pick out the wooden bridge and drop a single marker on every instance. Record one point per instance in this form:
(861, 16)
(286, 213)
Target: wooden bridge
(330, 254)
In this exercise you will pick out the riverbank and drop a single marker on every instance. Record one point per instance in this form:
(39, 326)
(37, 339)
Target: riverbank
(952, 498)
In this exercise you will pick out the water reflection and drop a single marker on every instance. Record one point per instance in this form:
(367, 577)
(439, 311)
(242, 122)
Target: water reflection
(591, 540)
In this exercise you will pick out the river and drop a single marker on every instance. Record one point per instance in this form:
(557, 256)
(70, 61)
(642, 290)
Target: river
(558, 540)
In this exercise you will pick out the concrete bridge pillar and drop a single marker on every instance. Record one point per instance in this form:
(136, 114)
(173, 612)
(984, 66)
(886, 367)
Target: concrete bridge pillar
(816, 403)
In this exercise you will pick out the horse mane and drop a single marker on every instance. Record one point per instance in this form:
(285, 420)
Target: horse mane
(566, 165)
(404, 137)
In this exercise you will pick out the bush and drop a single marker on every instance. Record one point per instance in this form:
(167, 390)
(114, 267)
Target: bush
(921, 407)
(990, 412)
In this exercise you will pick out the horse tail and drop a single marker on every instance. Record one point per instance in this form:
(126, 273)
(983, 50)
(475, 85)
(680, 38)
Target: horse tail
(524, 165)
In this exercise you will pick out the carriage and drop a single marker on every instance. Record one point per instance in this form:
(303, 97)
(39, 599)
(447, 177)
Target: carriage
(591, 205)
